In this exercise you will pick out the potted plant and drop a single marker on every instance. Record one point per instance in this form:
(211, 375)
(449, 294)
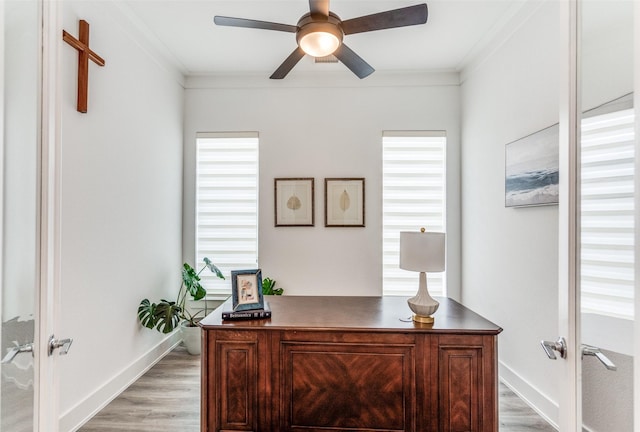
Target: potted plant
(166, 315)
(269, 287)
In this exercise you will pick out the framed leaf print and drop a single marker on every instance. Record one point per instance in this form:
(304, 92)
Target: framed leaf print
(294, 199)
(344, 202)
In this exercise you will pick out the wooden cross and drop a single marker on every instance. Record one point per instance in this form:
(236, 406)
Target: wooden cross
(84, 55)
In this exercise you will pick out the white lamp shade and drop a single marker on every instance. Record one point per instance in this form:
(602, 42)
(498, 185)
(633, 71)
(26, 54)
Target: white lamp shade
(422, 251)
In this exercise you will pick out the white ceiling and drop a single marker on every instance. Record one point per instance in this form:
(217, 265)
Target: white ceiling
(455, 32)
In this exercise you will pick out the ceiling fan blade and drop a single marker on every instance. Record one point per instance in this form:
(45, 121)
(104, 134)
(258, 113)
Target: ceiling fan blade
(319, 7)
(403, 17)
(353, 61)
(249, 23)
(288, 64)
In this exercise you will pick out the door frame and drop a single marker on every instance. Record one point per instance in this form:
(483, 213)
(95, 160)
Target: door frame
(47, 298)
(636, 104)
(568, 210)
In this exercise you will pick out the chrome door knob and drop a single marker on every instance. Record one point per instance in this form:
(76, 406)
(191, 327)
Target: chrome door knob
(559, 346)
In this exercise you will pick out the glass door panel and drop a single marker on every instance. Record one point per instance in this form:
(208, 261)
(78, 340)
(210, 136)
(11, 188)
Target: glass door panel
(606, 235)
(19, 264)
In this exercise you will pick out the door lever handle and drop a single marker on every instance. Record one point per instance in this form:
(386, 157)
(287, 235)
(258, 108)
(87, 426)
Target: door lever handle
(560, 346)
(13, 352)
(594, 351)
(64, 344)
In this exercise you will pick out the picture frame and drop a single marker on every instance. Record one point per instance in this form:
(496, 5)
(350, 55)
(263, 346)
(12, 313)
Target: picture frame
(294, 202)
(246, 289)
(344, 203)
(532, 169)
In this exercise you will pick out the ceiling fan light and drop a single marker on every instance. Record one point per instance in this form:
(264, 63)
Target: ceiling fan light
(319, 44)
(319, 38)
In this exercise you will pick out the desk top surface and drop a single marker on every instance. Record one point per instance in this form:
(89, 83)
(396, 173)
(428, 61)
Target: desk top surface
(380, 314)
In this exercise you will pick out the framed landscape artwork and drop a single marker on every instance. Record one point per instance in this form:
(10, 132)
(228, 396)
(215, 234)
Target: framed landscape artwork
(294, 199)
(344, 202)
(531, 169)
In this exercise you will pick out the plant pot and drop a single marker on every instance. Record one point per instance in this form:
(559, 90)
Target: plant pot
(191, 337)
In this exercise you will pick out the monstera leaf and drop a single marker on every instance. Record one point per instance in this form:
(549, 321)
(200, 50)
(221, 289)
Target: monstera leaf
(167, 316)
(164, 316)
(191, 281)
(146, 313)
(213, 268)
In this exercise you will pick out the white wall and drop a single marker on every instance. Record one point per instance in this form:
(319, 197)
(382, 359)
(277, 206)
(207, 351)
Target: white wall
(325, 126)
(509, 255)
(121, 169)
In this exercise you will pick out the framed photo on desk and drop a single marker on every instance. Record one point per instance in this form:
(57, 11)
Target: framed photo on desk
(246, 289)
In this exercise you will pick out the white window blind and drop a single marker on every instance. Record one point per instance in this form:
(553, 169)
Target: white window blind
(226, 205)
(413, 196)
(607, 213)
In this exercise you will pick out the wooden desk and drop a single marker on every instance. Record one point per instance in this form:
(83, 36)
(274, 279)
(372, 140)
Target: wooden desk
(350, 363)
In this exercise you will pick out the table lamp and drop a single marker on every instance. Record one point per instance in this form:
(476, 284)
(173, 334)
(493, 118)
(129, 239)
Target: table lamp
(422, 252)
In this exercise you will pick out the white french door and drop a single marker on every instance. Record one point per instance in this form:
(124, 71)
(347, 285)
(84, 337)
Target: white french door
(28, 69)
(598, 279)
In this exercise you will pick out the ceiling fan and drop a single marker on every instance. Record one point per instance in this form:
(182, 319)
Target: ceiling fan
(319, 33)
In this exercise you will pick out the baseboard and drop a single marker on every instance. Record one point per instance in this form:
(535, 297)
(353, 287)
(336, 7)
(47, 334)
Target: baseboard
(539, 402)
(77, 416)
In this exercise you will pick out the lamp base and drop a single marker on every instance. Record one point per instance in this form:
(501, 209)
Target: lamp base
(423, 319)
(423, 305)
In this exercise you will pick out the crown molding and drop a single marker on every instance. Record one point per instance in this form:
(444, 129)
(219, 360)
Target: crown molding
(324, 79)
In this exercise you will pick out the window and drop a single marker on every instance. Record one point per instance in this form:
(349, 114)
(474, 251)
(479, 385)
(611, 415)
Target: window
(607, 213)
(226, 205)
(413, 196)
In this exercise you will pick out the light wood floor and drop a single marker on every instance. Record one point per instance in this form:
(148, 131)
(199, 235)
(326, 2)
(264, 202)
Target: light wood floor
(167, 399)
